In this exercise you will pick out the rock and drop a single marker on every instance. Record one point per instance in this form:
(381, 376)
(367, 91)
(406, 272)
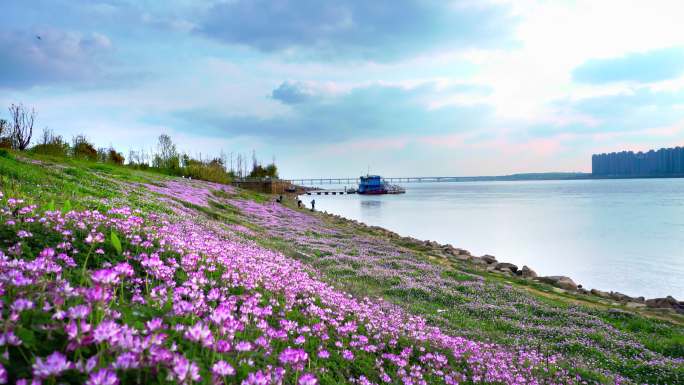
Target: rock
(505, 265)
(489, 258)
(496, 269)
(526, 272)
(462, 251)
(621, 297)
(478, 261)
(463, 257)
(559, 281)
(666, 303)
(600, 293)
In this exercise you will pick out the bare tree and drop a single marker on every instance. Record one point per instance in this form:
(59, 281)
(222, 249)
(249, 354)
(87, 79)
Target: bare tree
(22, 125)
(166, 148)
(3, 126)
(47, 137)
(239, 165)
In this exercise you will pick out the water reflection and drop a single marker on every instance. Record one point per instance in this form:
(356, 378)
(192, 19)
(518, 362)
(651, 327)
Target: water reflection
(371, 204)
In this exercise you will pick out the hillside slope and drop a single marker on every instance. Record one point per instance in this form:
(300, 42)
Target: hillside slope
(110, 275)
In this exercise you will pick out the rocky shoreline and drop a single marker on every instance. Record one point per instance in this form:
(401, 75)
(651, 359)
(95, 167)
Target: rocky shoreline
(491, 264)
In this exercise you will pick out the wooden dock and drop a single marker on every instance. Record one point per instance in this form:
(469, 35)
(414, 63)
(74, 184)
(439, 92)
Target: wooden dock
(329, 192)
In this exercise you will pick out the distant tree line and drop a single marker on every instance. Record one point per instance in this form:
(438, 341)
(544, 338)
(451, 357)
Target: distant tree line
(17, 133)
(663, 162)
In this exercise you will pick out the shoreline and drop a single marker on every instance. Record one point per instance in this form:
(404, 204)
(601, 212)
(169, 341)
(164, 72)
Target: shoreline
(489, 263)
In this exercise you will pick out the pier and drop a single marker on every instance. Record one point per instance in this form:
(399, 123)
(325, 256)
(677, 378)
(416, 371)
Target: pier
(330, 192)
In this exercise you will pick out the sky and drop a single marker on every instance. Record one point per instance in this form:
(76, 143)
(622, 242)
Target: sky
(338, 88)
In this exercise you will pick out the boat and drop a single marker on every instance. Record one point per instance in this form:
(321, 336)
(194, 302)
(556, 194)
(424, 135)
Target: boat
(376, 185)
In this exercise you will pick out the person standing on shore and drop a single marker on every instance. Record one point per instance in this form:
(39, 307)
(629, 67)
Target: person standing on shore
(313, 205)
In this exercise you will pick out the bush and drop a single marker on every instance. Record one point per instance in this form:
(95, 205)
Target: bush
(115, 157)
(212, 171)
(83, 149)
(259, 171)
(51, 144)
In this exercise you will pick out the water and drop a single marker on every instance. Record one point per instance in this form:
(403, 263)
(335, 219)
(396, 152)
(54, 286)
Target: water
(621, 235)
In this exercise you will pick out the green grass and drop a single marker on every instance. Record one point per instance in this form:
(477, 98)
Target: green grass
(59, 183)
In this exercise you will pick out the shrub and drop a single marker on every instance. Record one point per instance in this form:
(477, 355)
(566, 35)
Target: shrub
(115, 157)
(83, 149)
(51, 144)
(212, 171)
(259, 171)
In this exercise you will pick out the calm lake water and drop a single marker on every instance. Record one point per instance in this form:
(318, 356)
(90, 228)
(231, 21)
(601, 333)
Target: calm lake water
(620, 235)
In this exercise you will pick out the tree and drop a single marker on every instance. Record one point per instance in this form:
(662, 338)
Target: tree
(21, 125)
(166, 157)
(5, 141)
(166, 147)
(4, 125)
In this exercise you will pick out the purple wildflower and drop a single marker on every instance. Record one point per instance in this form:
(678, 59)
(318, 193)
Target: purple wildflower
(308, 379)
(222, 368)
(54, 365)
(103, 377)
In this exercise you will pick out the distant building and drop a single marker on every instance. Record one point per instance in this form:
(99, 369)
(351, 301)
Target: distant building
(663, 162)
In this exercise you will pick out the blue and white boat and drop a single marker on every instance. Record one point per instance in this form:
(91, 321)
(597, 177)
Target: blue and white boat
(375, 185)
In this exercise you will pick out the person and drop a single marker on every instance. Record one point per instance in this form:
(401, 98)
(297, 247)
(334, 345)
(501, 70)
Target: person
(313, 204)
(299, 203)
(280, 198)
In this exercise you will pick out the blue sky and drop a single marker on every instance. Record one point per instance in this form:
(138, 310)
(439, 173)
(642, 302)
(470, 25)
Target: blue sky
(330, 88)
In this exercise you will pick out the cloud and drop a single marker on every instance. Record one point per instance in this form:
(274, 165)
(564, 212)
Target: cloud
(368, 112)
(620, 113)
(51, 56)
(644, 67)
(291, 93)
(357, 29)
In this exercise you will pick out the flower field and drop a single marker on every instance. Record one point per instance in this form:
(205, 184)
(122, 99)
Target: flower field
(109, 276)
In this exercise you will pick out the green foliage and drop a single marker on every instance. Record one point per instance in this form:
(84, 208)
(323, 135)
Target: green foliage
(51, 144)
(83, 149)
(116, 243)
(213, 171)
(259, 171)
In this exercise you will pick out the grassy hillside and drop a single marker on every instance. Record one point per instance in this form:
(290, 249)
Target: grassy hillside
(111, 275)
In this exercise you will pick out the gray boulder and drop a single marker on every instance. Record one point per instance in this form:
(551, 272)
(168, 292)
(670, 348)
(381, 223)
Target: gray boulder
(478, 261)
(559, 281)
(599, 293)
(621, 297)
(489, 258)
(526, 272)
(505, 265)
(666, 303)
